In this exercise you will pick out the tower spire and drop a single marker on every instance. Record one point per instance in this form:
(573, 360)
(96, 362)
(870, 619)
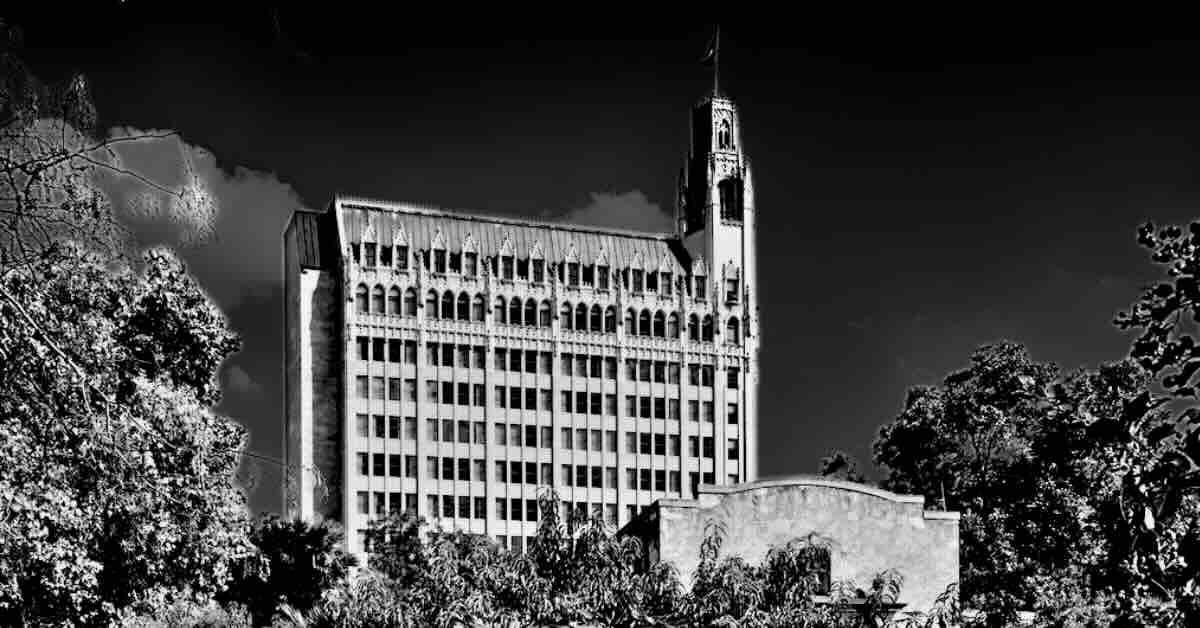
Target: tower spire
(712, 56)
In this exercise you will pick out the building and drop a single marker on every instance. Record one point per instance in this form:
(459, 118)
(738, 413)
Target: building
(455, 364)
(866, 530)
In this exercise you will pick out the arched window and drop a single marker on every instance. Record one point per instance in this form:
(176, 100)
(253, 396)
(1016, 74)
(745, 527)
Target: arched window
(448, 305)
(410, 302)
(477, 308)
(501, 310)
(644, 323)
(431, 303)
(660, 322)
(597, 322)
(630, 325)
(531, 312)
(581, 313)
(724, 136)
(360, 299)
(545, 314)
(393, 301)
(730, 195)
(610, 320)
(464, 306)
(565, 314)
(733, 331)
(514, 311)
(673, 325)
(706, 328)
(693, 328)
(377, 299)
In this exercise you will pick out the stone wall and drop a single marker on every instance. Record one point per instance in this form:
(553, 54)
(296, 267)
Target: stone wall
(869, 530)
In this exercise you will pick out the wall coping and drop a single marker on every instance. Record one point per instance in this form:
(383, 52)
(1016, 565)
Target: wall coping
(808, 480)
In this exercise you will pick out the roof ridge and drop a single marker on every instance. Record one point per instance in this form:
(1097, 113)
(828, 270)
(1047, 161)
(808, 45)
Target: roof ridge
(431, 210)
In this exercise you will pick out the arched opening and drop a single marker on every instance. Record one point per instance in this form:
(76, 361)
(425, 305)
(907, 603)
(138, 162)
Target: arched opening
(545, 313)
(464, 306)
(725, 136)
(673, 325)
(501, 310)
(693, 328)
(410, 302)
(393, 301)
(706, 328)
(360, 299)
(377, 299)
(610, 320)
(477, 308)
(730, 192)
(597, 321)
(431, 304)
(630, 324)
(514, 311)
(581, 313)
(448, 305)
(530, 312)
(644, 323)
(733, 331)
(660, 324)
(565, 314)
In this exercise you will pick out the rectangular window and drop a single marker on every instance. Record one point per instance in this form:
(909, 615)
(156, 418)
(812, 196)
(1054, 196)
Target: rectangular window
(514, 360)
(660, 480)
(378, 389)
(545, 360)
(368, 254)
(539, 270)
(478, 357)
(402, 257)
(531, 510)
(706, 375)
(431, 391)
(531, 399)
(674, 477)
(566, 438)
(410, 351)
(501, 434)
(501, 508)
(644, 406)
(644, 440)
(581, 365)
(701, 283)
(631, 479)
(708, 412)
(596, 403)
(431, 427)
(501, 359)
(610, 404)
(602, 277)
(572, 274)
(364, 345)
(463, 356)
(410, 428)
(363, 464)
(410, 390)
(673, 409)
(566, 475)
(660, 408)
(546, 400)
(581, 439)
(693, 410)
(501, 397)
(597, 440)
(447, 393)
(478, 469)
(694, 374)
(610, 368)
(431, 467)
(731, 377)
(707, 443)
(447, 468)
(501, 471)
(731, 413)
(478, 398)
(547, 478)
(361, 425)
(596, 366)
(378, 349)
(479, 508)
(597, 477)
(431, 353)
(410, 468)
(514, 398)
(732, 449)
(644, 370)
(380, 426)
(514, 510)
(630, 406)
(378, 465)
(580, 475)
(581, 402)
(531, 358)
(531, 475)
(636, 281)
(464, 469)
(630, 443)
(651, 281)
(447, 431)
(644, 479)
(660, 444)
(470, 262)
(610, 477)
(673, 445)
(514, 472)
(364, 506)
(630, 369)
(514, 435)
(694, 446)
(568, 362)
(531, 436)
(463, 398)
(610, 441)
(660, 372)
(547, 436)
(393, 389)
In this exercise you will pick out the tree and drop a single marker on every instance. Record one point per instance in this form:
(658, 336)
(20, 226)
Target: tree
(840, 465)
(116, 478)
(294, 563)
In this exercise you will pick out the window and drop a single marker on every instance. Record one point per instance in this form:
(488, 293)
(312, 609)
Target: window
(707, 447)
(644, 443)
(733, 331)
(693, 410)
(636, 280)
(363, 464)
(566, 438)
(708, 412)
(573, 274)
(393, 302)
(410, 302)
(431, 429)
(694, 446)
(700, 283)
(581, 439)
(731, 413)
(501, 433)
(470, 264)
(644, 323)
(447, 431)
(610, 320)
(732, 451)
(544, 314)
(477, 309)
(631, 479)
(602, 277)
(731, 377)
(378, 465)
(610, 477)
(360, 299)
(401, 257)
(380, 429)
(378, 390)
(539, 270)
(439, 261)
(361, 425)
(673, 441)
(706, 375)
(666, 284)
(368, 254)
(610, 441)
(506, 267)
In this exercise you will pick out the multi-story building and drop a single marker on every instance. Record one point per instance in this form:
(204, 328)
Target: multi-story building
(456, 365)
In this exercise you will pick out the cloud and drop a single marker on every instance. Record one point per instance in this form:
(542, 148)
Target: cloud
(230, 232)
(237, 380)
(627, 210)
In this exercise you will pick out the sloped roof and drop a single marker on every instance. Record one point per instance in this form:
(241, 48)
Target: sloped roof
(316, 241)
(490, 234)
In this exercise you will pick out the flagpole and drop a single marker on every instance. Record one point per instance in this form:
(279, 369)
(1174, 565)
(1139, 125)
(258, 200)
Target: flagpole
(717, 62)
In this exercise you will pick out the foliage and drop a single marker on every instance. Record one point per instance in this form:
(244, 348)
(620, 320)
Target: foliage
(293, 563)
(840, 465)
(124, 493)
(189, 614)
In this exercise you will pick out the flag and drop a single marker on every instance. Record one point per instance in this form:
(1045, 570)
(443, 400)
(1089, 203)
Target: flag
(710, 53)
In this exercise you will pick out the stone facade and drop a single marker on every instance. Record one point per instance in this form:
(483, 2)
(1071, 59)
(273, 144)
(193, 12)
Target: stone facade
(457, 365)
(868, 530)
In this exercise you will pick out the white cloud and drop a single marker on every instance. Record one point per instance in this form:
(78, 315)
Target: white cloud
(627, 210)
(237, 380)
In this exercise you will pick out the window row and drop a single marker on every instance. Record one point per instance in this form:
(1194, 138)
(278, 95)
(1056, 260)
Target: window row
(385, 503)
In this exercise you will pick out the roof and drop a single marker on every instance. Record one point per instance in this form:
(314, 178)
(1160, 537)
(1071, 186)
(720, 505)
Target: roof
(418, 226)
(315, 240)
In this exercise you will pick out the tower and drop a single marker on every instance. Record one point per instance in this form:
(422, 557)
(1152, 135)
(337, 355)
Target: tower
(715, 221)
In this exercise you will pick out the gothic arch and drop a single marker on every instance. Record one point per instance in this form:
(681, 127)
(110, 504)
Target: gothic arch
(514, 311)
(610, 320)
(377, 303)
(431, 304)
(531, 309)
(566, 313)
(581, 313)
(733, 331)
(673, 325)
(660, 322)
(501, 310)
(360, 298)
(464, 306)
(410, 302)
(644, 323)
(393, 300)
(477, 308)
(597, 321)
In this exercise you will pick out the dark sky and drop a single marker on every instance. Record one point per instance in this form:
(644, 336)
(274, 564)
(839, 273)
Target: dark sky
(919, 193)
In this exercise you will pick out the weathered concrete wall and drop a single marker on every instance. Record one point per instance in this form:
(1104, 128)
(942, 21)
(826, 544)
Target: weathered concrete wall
(312, 387)
(869, 530)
